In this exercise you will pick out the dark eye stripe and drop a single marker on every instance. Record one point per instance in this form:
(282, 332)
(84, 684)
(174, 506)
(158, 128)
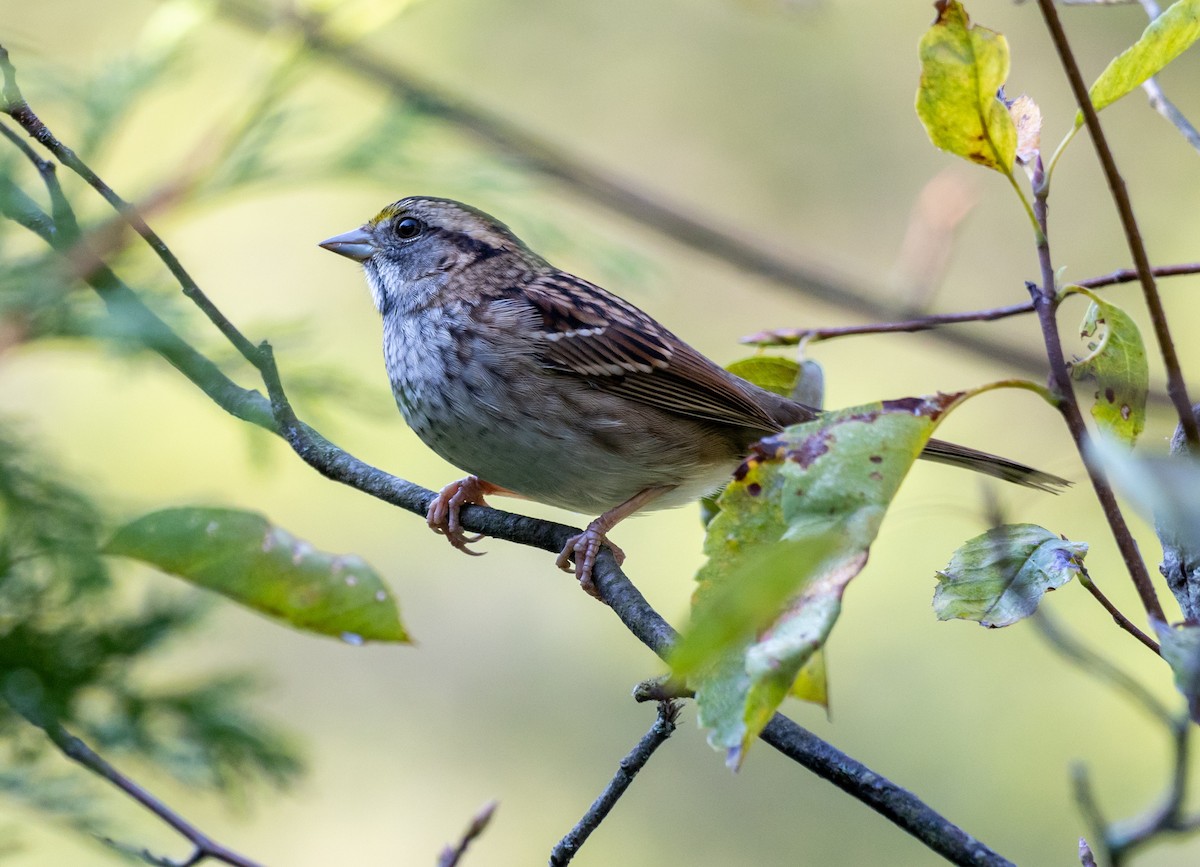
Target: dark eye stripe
(480, 250)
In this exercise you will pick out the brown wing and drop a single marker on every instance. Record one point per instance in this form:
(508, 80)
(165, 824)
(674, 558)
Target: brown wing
(595, 335)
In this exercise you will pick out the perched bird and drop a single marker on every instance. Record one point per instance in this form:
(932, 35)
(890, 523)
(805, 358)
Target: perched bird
(545, 386)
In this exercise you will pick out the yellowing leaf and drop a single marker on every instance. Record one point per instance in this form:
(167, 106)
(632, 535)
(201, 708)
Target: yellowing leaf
(963, 68)
(811, 684)
(1116, 363)
(999, 577)
(242, 556)
(793, 530)
(1166, 37)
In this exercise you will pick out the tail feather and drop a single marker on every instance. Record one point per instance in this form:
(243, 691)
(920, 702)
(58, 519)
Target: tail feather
(992, 465)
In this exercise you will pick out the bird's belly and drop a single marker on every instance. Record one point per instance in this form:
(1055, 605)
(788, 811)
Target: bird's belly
(565, 445)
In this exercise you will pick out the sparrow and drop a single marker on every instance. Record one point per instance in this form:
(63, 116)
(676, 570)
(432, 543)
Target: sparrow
(542, 385)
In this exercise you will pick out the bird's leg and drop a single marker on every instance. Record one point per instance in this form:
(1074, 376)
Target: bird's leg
(442, 516)
(584, 547)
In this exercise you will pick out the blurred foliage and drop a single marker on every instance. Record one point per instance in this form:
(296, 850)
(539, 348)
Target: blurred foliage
(71, 643)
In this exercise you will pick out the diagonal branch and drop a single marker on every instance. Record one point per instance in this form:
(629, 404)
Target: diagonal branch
(75, 749)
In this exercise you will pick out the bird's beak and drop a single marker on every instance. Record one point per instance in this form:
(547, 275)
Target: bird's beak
(357, 244)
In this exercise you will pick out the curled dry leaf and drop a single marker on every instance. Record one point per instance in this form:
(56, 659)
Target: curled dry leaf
(1027, 118)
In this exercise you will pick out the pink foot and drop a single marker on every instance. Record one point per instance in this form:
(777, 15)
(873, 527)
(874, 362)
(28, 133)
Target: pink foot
(443, 514)
(584, 548)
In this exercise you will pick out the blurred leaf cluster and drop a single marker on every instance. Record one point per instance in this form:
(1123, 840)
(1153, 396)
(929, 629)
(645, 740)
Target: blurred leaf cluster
(72, 649)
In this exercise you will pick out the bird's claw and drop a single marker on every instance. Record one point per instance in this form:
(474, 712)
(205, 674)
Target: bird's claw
(443, 514)
(583, 548)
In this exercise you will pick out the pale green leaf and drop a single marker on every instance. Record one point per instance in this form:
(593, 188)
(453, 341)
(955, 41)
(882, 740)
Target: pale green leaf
(242, 556)
(999, 577)
(1165, 38)
(1116, 363)
(1181, 649)
(963, 68)
(1165, 489)
(772, 372)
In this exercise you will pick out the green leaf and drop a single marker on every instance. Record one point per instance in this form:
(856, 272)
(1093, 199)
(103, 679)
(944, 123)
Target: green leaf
(1181, 649)
(1166, 37)
(242, 556)
(999, 577)
(772, 372)
(794, 528)
(1116, 362)
(963, 68)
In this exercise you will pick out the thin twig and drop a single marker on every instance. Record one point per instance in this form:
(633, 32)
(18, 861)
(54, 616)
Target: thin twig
(1097, 666)
(1121, 838)
(78, 751)
(16, 107)
(793, 336)
(663, 728)
(452, 855)
(1159, 101)
(1176, 387)
(1121, 620)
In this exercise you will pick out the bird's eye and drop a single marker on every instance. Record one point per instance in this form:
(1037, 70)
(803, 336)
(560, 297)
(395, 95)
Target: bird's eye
(408, 228)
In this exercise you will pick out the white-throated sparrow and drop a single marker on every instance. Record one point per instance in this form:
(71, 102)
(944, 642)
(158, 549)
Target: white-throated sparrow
(542, 385)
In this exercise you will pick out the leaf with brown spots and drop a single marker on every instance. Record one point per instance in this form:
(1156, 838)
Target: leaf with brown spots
(794, 528)
(1116, 363)
(244, 557)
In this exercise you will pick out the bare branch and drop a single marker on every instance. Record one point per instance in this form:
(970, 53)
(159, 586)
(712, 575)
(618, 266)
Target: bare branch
(663, 728)
(1045, 301)
(78, 751)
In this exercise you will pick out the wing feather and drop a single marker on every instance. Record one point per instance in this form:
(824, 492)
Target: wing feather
(590, 333)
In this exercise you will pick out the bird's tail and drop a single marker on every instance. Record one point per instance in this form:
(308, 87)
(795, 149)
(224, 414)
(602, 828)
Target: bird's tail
(992, 465)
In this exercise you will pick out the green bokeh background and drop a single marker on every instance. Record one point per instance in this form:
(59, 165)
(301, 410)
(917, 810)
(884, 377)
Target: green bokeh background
(790, 123)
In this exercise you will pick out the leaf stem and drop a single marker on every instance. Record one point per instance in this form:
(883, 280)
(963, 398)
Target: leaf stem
(1037, 229)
